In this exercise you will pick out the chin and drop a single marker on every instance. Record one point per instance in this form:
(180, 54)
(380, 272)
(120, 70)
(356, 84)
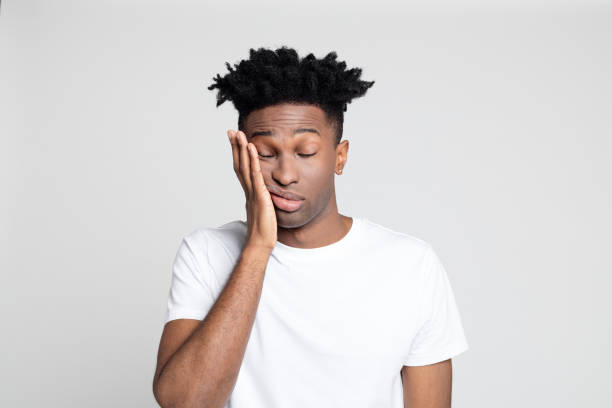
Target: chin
(289, 220)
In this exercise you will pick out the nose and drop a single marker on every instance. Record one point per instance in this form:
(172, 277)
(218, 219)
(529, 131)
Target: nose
(285, 170)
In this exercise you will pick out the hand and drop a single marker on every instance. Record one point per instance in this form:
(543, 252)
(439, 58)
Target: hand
(261, 216)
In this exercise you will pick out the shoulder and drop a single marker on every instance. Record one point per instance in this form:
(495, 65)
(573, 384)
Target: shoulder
(230, 230)
(227, 238)
(383, 236)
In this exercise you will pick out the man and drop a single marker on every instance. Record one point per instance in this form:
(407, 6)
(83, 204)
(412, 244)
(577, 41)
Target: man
(299, 305)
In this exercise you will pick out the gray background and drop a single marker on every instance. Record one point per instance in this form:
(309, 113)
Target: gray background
(487, 134)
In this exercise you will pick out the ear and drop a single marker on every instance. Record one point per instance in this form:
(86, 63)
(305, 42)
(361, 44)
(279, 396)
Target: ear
(341, 156)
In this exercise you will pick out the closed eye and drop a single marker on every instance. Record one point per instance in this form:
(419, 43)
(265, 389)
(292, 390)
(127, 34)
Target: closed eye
(300, 154)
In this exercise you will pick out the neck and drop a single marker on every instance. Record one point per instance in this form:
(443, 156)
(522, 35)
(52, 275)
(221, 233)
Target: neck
(326, 228)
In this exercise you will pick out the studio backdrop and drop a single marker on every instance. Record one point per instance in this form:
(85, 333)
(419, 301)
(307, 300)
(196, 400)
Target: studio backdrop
(487, 134)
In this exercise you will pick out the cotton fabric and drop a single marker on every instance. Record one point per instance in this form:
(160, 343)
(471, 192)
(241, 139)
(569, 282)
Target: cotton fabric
(334, 324)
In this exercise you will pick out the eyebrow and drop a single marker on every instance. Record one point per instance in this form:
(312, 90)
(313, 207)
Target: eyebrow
(295, 132)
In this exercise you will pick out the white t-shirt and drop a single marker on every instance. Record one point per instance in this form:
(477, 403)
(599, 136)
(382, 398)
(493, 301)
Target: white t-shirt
(334, 324)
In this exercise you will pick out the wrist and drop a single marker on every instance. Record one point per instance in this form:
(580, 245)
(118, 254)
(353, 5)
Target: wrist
(255, 247)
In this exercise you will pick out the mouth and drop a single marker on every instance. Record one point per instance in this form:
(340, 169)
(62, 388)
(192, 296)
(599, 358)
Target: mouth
(286, 204)
(283, 193)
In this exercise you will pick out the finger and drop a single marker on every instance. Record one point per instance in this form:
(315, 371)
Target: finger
(235, 155)
(259, 185)
(245, 163)
(232, 138)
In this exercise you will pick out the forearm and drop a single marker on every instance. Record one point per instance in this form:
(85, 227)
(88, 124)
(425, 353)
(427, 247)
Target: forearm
(204, 369)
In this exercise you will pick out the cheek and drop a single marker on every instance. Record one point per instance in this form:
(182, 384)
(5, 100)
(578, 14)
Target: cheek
(315, 173)
(319, 181)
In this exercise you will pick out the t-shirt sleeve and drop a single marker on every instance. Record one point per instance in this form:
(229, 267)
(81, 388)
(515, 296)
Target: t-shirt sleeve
(190, 296)
(441, 336)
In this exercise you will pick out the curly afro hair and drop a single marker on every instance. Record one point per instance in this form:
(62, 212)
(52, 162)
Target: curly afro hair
(270, 77)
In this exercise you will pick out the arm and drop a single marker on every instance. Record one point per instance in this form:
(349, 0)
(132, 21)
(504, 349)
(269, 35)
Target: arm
(427, 386)
(427, 370)
(198, 361)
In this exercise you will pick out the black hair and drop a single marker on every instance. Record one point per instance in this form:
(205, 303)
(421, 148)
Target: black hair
(270, 77)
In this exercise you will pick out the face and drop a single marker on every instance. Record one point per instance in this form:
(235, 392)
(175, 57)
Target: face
(297, 154)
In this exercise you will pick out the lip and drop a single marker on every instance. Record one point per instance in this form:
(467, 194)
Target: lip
(284, 194)
(285, 204)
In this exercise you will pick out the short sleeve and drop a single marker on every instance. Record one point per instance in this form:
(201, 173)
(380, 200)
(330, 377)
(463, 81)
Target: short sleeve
(190, 296)
(441, 335)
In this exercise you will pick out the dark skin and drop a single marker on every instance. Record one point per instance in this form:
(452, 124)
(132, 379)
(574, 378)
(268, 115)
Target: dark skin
(201, 359)
(317, 222)
(428, 386)
(271, 129)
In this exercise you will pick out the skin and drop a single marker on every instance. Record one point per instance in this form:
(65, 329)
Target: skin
(317, 222)
(428, 386)
(200, 360)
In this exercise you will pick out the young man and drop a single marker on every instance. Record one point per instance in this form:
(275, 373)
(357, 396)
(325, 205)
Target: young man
(300, 306)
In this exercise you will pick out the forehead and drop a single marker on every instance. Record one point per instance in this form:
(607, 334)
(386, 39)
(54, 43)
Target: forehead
(287, 115)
